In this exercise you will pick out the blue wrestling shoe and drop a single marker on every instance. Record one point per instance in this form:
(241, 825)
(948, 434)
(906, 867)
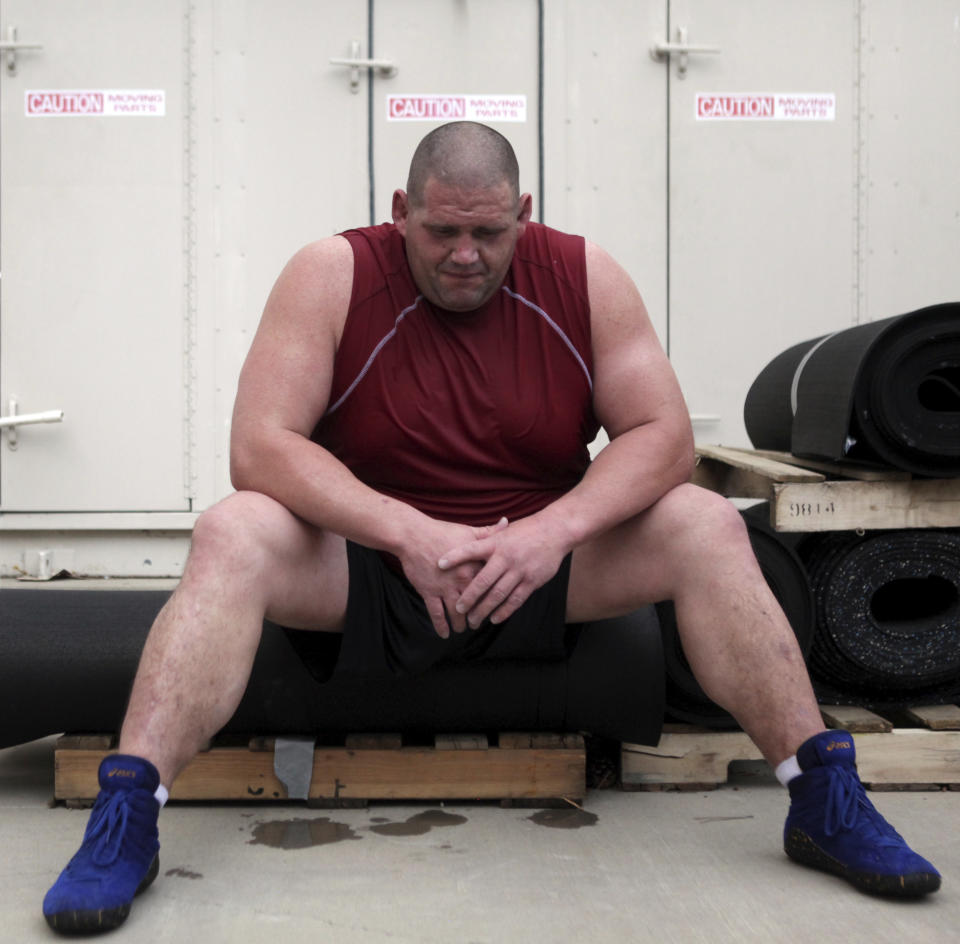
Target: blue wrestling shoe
(834, 827)
(119, 854)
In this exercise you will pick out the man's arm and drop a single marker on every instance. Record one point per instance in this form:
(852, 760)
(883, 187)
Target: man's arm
(638, 401)
(283, 391)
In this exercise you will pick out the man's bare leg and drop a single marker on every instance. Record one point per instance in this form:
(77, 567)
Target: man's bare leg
(249, 557)
(692, 547)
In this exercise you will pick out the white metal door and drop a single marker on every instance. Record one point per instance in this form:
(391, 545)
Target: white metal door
(909, 215)
(468, 59)
(605, 131)
(92, 246)
(288, 164)
(762, 211)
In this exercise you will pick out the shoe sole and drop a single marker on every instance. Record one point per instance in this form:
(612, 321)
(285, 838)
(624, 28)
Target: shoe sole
(89, 921)
(801, 848)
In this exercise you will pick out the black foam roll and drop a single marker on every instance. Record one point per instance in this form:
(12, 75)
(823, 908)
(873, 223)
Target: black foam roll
(886, 392)
(69, 658)
(785, 575)
(887, 614)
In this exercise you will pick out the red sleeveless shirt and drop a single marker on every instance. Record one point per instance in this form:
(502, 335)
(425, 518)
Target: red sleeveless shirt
(465, 416)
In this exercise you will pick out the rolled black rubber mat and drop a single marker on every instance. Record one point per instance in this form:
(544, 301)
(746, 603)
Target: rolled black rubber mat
(886, 392)
(786, 577)
(69, 658)
(888, 615)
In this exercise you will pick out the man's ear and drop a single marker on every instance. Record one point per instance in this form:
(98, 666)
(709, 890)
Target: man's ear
(524, 212)
(401, 210)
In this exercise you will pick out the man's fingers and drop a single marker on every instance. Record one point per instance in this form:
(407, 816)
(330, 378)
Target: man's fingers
(455, 621)
(474, 551)
(503, 598)
(438, 616)
(486, 530)
(479, 587)
(513, 603)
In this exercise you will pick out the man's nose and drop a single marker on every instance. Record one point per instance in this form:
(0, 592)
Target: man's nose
(464, 253)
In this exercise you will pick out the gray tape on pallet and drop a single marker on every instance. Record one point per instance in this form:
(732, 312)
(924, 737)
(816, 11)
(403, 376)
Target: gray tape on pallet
(293, 765)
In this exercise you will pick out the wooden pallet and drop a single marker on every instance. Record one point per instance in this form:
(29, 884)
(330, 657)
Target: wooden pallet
(519, 767)
(805, 495)
(888, 757)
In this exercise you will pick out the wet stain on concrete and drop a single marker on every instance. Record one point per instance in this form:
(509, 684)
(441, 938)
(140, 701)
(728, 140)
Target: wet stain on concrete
(419, 824)
(183, 873)
(564, 819)
(301, 833)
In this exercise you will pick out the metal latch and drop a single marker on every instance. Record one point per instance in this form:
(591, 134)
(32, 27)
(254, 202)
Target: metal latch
(384, 67)
(681, 49)
(13, 419)
(10, 47)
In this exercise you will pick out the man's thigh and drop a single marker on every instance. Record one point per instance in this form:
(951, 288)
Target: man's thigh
(689, 535)
(613, 574)
(296, 570)
(313, 594)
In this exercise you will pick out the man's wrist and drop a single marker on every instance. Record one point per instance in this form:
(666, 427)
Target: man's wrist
(402, 525)
(564, 524)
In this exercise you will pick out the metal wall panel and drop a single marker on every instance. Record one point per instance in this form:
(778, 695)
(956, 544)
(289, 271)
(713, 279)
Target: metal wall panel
(762, 210)
(137, 253)
(92, 245)
(910, 136)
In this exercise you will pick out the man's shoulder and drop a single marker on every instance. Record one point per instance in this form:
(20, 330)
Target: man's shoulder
(316, 267)
(550, 253)
(383, 237)
(538, 235)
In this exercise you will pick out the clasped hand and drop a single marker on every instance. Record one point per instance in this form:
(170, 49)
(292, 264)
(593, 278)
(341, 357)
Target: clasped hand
(467, 575)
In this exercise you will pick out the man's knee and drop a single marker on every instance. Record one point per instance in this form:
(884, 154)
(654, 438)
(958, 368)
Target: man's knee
(696, 514)
(236, 529)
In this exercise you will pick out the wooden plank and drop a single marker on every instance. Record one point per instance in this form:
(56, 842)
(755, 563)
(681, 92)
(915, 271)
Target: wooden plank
(431, 774)
(694, 757)
(222, 773)
(731, 483)
(540, 740)
(909, 755)
(364, 742)
(752, 461)
(846, 506)
(338, 773)
(842, 470)
(84, 742)
(900, 756)
(854, 719)
(936, 717)
(736, 474)
(461, 742)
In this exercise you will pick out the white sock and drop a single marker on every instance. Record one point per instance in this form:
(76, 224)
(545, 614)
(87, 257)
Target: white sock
(788, 769)
(162, 794)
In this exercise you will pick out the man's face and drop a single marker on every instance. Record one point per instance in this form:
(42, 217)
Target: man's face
(460, 242)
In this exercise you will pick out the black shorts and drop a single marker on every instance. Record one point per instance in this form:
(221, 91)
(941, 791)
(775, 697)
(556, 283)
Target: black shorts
(388, 632)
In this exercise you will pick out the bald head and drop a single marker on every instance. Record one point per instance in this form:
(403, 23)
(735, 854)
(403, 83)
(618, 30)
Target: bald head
(463, 154)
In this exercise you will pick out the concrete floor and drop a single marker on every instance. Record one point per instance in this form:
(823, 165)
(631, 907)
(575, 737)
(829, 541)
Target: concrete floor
(658, 867)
